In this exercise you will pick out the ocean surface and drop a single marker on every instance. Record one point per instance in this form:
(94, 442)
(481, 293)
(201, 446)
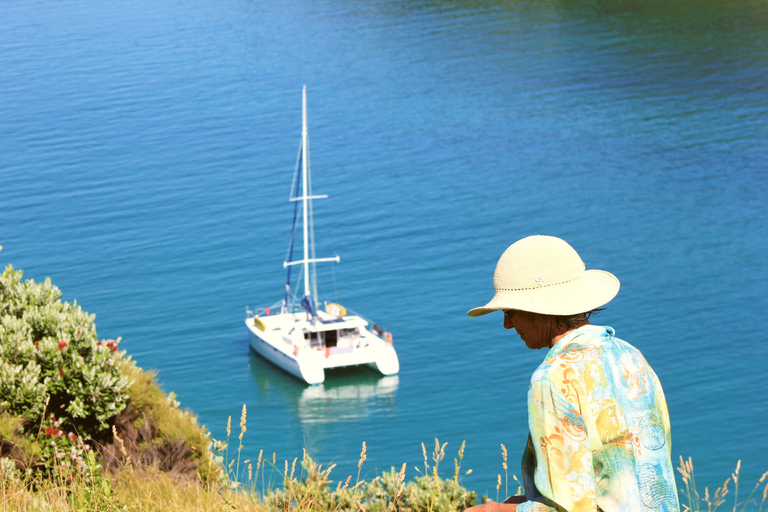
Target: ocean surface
(146, 157)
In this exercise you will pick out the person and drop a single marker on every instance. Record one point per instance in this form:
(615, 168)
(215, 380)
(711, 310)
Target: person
(599, 433)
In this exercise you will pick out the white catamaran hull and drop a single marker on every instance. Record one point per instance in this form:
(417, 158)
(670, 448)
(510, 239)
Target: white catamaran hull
(292, 355)
(308, 372)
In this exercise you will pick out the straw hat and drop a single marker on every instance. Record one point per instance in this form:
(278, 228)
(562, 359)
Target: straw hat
(543, 274)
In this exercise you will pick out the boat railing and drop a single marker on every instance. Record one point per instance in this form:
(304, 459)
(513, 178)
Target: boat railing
(267, 311)
(376, 329)
(278, 308)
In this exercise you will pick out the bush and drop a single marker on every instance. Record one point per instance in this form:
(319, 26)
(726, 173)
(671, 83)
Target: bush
(54, 372)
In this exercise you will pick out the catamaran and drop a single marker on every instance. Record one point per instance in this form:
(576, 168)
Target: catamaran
(296, 334)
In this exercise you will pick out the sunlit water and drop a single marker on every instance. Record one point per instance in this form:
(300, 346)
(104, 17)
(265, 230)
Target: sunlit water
(146, 152)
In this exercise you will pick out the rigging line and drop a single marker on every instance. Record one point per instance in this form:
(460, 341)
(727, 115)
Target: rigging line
(328, 234)
(296, 171)
(294, 191)
(311, 225)
(335, 287)
(295, 298)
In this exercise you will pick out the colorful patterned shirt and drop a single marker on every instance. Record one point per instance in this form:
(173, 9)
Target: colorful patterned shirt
(599, 430)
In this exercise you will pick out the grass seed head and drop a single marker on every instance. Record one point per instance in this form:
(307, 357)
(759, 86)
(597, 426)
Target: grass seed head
(123, 451)
(362, 457)
(242, 423)
(504, 456)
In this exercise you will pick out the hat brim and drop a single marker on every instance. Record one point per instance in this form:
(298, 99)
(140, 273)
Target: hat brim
(594, 289)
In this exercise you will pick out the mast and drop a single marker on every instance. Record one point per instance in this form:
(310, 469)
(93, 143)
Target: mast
(305, 197)
(309, 301)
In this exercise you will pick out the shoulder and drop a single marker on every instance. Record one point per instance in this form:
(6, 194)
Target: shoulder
(579, 355)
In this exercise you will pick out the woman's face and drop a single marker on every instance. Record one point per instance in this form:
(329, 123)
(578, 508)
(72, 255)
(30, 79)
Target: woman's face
(535, 330)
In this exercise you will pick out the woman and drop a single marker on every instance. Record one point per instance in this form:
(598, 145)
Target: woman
(599, 436)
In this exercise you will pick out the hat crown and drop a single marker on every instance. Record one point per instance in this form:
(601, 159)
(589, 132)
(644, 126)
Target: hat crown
(535, 262)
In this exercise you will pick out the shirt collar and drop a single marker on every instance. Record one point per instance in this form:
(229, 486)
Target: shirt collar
(587, 331)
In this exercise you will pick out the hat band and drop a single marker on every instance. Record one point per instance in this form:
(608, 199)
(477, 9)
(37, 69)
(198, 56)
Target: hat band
(537, 287)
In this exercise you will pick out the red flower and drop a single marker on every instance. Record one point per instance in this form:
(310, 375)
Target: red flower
(50, 431)
(62, 345)
(61, 372)
(112, 344)
(36, 344)
(72, 436)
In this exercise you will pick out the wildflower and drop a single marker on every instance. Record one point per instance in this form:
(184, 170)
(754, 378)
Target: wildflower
(49, 431)
(72, 436)
(62, 345)
(36, 344)
(61, 372)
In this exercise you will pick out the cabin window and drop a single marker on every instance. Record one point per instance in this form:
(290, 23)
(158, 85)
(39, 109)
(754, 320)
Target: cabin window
(349, 333)
(315, 339)
(331, 338)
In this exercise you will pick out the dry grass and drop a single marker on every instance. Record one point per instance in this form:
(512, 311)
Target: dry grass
(264, 485)
(697, 503)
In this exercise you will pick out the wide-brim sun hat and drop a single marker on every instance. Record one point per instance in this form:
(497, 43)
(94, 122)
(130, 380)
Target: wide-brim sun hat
(543, 274)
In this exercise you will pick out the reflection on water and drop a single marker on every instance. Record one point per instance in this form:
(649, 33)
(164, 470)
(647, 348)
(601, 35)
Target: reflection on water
(347, 394)
(342, 400)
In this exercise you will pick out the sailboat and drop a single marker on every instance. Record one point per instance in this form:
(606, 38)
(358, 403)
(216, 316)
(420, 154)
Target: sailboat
(301, 335)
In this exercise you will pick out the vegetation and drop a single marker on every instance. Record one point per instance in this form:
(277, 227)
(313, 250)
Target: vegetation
(82, 428)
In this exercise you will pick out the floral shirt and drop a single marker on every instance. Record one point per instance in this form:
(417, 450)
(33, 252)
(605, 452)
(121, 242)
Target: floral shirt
(599, 430)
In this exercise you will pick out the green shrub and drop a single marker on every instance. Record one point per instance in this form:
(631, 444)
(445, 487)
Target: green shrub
(54, 372)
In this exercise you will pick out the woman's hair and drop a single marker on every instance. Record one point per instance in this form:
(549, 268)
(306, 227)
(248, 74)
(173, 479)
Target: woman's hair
(567, 322)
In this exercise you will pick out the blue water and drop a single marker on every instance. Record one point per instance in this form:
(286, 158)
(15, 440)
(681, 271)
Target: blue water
(146, 154)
